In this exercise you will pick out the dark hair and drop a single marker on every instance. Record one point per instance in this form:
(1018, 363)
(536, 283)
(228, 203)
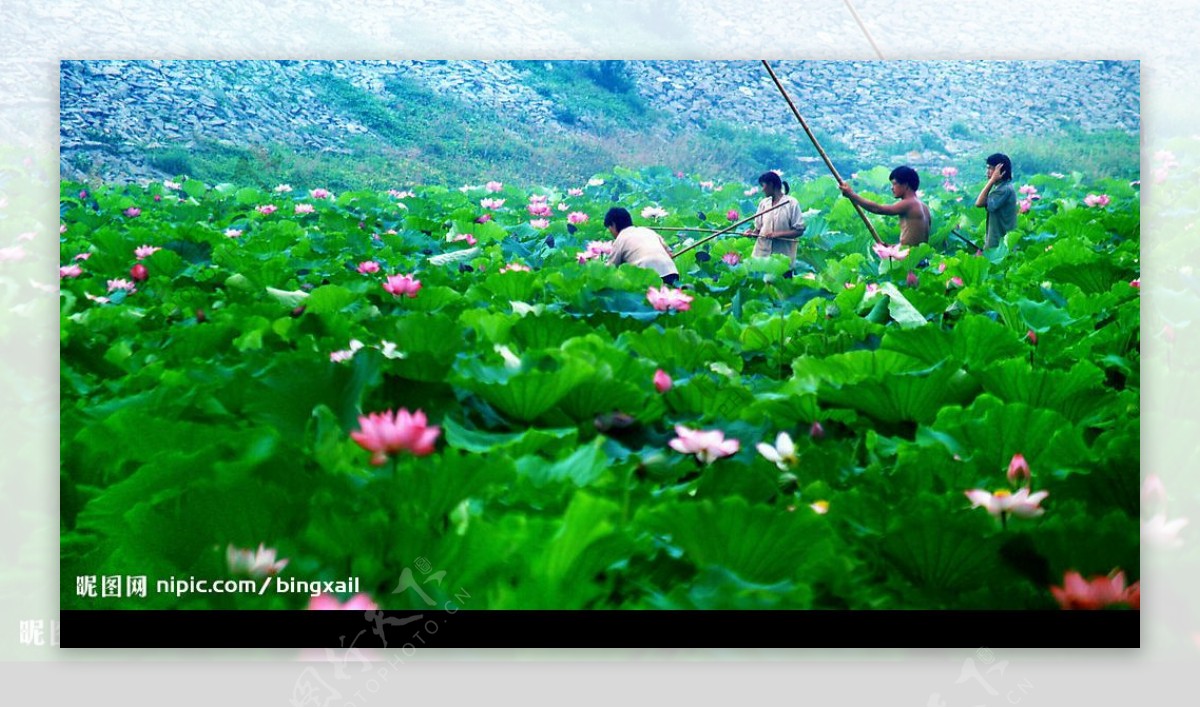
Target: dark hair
(1000, 158)
(773, 179)
(907, 176)
(619, 218)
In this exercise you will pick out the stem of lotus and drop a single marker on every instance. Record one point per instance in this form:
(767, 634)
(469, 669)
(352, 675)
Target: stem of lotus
(1004, 520)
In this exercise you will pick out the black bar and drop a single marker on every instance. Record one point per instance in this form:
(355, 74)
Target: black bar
(599, 629)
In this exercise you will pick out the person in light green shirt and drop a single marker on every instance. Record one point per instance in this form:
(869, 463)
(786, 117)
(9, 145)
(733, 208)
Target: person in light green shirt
(999, 198)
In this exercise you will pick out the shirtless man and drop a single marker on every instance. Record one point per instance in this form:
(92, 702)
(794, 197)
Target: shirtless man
(914, 215)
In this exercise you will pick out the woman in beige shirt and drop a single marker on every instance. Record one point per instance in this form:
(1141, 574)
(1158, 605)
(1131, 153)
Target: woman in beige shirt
(639, 245)
(777, 231)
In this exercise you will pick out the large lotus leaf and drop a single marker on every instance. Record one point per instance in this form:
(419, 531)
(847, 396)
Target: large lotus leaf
(587, 541)
(990, 432)
(709, 397)
(1073, 537)
(582, 467)
(619, 383)
(974, 342)
(908, 397)
(430, 343)
(515, 285)
(546, 331)
(432, 486)
(527, 392)
(761, 544)
(1078, 394)
(677, 349)
(532, 440)
(717, 588)
(857, 366)
(942, 550)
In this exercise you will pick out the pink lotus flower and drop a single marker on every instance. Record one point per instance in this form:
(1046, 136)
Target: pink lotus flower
(514, 268)
(783, 453)
(95, 298)
(1024, 205)
(402, 285)
(732, 258)
(912, 281)
(539, 223)
(283, 188)
(666, 298)
(83, 194)
(257, 564)
(484, 219)
(1135, 283)
(494, 186)
(1028, 189)
(62, 228)
(368, 267)
(305, 208)
(491, 203)
(706, 185)
(132, 212)
(576, 217)
(585, 256)
(949, 187)
(653, 212)
(540, 209)
(384, 434)
(138, 272)
(1021, 504)
(563, 206)
(397, 194)
(267, 209)
(80, 257)
(121, 284)
(750, 192)
(1096, 200)
(346, 354)
(1018, 470)
(595, 182)
(817, 431)
(895, 252)
(574, 192)
(872, 288)
(600, 247)
(955, 282)
(848, 285)
(538, 198)
(949, 171)
(233, 233)
(145, 251)
(70, 271)
(1097, 593)
(706, 445)
(360, 602)
(732, 215)
(320, 193)
(662, 382)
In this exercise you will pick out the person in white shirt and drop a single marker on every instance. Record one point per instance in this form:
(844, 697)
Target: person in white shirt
(639, 246)
(778, 231)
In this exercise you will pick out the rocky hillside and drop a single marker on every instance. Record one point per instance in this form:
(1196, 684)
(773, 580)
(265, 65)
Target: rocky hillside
(114, 113)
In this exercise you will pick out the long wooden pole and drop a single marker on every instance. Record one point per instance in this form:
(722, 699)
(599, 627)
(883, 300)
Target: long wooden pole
(727, 229)
(817, 145)
(710, 231)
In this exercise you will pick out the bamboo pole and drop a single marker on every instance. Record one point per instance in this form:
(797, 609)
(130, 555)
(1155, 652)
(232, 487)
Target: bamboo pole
(727, 229)
(964, 238)
(817, 145)
(710, 231)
